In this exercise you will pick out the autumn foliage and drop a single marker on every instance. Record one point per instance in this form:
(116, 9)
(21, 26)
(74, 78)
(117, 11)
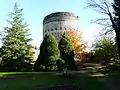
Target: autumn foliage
(78, 45)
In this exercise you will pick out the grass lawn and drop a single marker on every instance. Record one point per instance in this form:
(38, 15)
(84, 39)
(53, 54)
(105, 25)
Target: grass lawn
(24, 73)
(113, 73)
(25, 83)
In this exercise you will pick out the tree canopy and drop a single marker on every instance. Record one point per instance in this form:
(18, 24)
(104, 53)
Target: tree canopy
(110, 9)
(67, 52)
(15, 49)
(49, 54)
(78, 46)
(105, 52)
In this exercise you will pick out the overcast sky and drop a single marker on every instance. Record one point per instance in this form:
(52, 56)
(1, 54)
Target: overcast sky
(34, 12)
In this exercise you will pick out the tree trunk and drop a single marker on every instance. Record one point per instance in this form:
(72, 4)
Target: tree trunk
(117, 32)
(118, 40)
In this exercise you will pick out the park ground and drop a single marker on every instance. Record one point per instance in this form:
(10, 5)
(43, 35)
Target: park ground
(44, 80)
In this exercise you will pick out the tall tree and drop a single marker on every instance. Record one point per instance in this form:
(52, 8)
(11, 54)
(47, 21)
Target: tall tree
(111, 21)
(49, 54)
(15, 49)
(103, 7)
(39, 64)
(67, 52)
(116, 7)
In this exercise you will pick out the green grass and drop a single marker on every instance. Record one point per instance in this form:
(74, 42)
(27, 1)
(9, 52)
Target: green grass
(24, 73)
(113, 73)
(92, 83)
(26, 83)
(87, 83)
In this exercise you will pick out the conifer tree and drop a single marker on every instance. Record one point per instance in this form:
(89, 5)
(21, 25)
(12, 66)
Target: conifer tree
(49, 54)
(67, 52)
(15, 49)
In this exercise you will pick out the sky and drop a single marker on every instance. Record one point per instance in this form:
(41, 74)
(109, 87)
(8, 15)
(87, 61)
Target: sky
(34, 12)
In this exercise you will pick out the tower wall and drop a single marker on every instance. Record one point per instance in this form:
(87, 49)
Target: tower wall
(58, 22)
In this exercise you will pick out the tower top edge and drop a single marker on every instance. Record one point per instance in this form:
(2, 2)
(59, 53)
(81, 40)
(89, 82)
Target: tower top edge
(60, 14)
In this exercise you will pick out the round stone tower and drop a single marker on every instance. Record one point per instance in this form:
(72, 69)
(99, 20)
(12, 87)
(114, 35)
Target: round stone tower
(58, 22)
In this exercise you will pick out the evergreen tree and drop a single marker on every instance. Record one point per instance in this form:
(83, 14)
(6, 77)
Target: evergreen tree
(49, 54)
(39, 64)
(15, 49)
(67, 52)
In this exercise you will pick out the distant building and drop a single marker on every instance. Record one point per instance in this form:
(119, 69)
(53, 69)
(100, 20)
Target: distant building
(58, 22)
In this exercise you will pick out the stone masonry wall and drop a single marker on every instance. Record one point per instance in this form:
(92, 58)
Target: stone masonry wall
(58, 22)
